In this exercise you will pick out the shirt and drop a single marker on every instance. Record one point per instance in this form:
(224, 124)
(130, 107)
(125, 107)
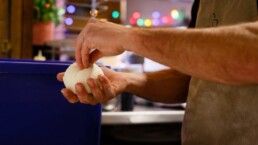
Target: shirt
(218, 114)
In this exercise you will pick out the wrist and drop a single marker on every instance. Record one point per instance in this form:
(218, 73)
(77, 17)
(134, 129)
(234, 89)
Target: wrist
(133, 40)
(126, 79)
(134, 82)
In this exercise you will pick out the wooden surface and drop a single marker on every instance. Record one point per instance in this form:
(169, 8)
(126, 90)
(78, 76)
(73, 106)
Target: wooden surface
(27, 22)
(3, 19)
(16, 27)
(4, 23)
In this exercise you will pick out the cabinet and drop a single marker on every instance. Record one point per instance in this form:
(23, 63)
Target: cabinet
(16, 28)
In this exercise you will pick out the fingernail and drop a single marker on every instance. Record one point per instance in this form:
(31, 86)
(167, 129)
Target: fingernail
(81, 66)
(62, 91)
(73, 100)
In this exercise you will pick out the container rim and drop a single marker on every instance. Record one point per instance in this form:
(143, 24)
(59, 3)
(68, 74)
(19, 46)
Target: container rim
(15, 66)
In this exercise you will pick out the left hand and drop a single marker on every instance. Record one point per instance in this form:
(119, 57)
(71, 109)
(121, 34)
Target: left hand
(112, 84)
(103, 39)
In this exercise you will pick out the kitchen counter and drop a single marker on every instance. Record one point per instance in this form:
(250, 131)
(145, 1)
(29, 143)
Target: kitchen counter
(143, 115)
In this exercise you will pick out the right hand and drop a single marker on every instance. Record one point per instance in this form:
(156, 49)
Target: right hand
(98, 39)
(112, 84)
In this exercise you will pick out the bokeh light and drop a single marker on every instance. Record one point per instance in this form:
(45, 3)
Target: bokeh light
(140, 22)
(147, 23)
(155, 22)
(61, 11)
(115, 14)
(71, 9)
(68, 21)
(165, 20)
(181, 16)
(95, 14)
(136, 15)
(133, 21)
(156, 15)
(175, 14)
(47, 5)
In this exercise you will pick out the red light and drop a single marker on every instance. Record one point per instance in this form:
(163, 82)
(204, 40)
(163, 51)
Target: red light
(48, 5)
(165, 20)
(136, 15)
(171, 21)
(133, 21)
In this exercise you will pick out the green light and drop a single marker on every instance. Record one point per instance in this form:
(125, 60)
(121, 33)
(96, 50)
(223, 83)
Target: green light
(115, 14)
(181, 16)
(140, 22)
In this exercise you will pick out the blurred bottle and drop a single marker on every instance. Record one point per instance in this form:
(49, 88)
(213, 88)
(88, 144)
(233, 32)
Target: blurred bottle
(133, 63)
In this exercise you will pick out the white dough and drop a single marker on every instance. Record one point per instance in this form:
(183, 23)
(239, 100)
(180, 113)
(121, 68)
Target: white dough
(74, 75)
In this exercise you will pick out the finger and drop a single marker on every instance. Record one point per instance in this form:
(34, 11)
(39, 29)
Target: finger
(60, 76)
(78, 49)
(85, 55)
(106, 86)
(96, 91)
(72, 98)
(94, 56)
(106, 70)
(83, 95)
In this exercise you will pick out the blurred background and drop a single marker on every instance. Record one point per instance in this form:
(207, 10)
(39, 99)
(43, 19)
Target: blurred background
(46, 30)
(51, 26)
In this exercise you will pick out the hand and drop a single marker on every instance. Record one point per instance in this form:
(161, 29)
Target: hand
(112, 84)
(98, 39)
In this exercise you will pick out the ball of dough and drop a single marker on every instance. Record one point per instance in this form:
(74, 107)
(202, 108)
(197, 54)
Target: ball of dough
(74, 75)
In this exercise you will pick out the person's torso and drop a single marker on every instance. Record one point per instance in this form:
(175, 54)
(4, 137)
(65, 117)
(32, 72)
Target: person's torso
(218, 114)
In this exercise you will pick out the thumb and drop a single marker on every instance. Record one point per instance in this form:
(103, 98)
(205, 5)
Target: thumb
(60, 76)
(95, 55)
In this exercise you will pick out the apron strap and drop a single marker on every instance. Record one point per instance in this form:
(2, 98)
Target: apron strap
(194, 12)
(257, 4)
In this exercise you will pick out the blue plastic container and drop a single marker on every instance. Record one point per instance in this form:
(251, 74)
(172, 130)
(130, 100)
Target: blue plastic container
(34, 112)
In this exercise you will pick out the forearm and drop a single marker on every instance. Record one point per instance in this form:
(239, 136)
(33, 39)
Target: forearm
(226, 54)
(167, 86)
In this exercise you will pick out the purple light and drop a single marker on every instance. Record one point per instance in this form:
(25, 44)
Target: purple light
(155, 14)
(156, 22)
(71, 9)
(68, 21)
